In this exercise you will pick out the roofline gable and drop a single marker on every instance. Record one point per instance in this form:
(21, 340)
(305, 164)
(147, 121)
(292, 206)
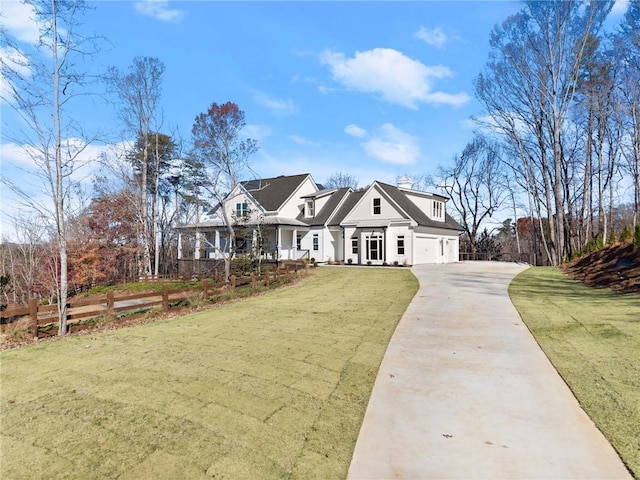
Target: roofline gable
(339, 205)
(295, 190)
(240, 188)
(378, 185)
(390, 199)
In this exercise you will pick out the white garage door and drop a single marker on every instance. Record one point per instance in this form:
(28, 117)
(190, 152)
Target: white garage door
(427, 250)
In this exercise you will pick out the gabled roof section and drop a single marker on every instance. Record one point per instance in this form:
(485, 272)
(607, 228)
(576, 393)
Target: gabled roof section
(272, 193)
(347, 206)
(329, 208)
(414, 212)
(322, 193)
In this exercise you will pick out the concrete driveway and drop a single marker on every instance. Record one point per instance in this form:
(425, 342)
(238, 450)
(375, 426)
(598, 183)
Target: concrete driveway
(465, 392)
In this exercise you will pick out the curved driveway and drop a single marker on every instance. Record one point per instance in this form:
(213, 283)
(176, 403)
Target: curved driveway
(465, 392)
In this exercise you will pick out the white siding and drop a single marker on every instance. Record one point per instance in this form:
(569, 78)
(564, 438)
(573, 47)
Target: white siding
(392, 245)
(426, 205)
(295, 204)
(230, 207)
(349, 234)
(335, 245)
(364, 209)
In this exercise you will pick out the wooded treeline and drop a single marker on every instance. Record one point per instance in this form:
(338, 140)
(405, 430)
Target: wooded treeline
(561, 128)
(559, 145)
(150, 181)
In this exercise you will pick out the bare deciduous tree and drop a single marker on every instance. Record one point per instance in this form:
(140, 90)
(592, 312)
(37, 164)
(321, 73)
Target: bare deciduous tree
(224, 154)
(341, 180)
(139, 91)
(474, 185)
(41, 83)
(528, 89)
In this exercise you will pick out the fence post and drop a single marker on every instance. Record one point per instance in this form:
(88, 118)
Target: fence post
(205, 287)
(33, 315)
(233, 282)
(165, 298)
(110, 301)
(253, 281)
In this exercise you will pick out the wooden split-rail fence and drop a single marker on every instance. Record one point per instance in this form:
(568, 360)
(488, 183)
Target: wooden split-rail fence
(42, 320)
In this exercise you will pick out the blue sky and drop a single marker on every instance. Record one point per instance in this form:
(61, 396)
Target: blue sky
(373, 89)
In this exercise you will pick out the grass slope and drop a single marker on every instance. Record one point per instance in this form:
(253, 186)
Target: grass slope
(592, 337)
(270, 387)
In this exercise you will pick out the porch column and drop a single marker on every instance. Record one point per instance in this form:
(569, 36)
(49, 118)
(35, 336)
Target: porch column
(294, 247)
(196, 253)
(216, 243)
(278, 242)
(179, 245)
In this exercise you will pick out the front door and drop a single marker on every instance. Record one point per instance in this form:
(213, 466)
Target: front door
(374, 250)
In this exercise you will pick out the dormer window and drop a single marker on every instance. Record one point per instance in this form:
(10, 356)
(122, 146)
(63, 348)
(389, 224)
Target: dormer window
(309, 209)
(437, 209)
(376, 206)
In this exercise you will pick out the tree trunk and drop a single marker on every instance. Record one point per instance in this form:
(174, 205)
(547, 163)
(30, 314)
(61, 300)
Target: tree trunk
(58, 194)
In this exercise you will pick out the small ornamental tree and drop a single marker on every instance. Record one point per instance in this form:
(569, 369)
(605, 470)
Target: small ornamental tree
(224, 155)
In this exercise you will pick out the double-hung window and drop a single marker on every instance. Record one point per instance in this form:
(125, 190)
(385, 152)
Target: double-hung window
(437, 209)
(376, 206)
(315, 242)
(400, 244)
(310, 211)
(354, 246)
(242, 209)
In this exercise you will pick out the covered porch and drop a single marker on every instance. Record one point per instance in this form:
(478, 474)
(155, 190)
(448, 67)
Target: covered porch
(273, 239)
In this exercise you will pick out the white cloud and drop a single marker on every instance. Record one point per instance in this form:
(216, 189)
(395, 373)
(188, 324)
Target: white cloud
(85, 163)
(391, 145)
(256, 132)
(15, 154)
(286, 107)
(432, 36)
(19, 20)
(397, 78)
(19, 169)
(159, 10)
(355, 131)
(620, 7)
(303, 141)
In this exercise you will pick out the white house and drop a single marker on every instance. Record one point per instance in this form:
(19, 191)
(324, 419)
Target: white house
(296, 218)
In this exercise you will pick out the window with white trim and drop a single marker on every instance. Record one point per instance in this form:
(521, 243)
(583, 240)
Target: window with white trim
(376, 206)
(309, 209)
(298, 241)
(316, 242)
(242, 209)
(400, 244)
(354, 246)
(437, 209)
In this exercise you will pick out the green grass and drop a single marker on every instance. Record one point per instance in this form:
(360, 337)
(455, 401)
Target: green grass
(592, 337)
(274, 386)
(135, 287)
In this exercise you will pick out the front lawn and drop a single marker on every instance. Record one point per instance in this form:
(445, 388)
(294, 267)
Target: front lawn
(274, 386)
(592, 337)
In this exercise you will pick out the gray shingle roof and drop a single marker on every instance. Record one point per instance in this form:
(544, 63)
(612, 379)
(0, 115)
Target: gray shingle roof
(271, 193)
(346, 207)
(329, 208)
(414, 212)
